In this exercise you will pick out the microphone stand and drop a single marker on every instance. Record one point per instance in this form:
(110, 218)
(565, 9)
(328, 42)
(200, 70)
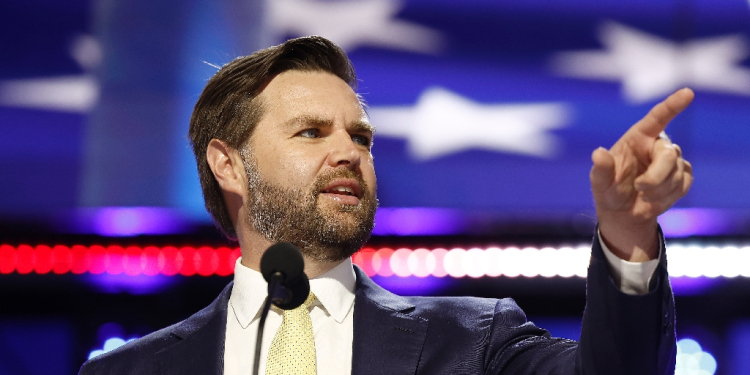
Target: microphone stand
(274, 283)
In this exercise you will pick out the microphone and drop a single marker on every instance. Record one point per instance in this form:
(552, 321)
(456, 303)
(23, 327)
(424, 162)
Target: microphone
(283, 267)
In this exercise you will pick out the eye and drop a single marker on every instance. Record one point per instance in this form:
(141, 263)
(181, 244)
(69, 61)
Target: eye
(361, 140)
(309, 133)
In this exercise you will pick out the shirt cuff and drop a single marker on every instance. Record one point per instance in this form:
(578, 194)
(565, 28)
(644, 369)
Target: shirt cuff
(631, 277)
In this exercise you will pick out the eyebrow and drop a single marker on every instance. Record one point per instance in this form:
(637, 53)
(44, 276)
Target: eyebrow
(307, 120)
(357, 126)
(362, 126)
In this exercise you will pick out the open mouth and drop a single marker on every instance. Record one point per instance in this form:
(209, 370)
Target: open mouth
(346, 191)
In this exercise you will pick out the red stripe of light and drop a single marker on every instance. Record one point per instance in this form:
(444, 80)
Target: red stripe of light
(382, 262)
(116, 260)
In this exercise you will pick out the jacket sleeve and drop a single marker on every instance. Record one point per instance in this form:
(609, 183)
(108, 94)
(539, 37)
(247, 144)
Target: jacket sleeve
(620, 334)
(627, 334)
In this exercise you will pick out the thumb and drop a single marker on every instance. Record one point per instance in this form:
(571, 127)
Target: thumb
(602, 172)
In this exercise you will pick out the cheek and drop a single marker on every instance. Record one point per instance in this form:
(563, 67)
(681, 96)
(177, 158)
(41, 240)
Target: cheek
(298, 169)
(368, 174)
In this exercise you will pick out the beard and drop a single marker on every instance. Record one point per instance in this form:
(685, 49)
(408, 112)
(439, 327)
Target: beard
(324, 234)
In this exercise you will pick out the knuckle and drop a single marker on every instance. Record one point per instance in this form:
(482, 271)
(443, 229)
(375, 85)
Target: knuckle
(670, 153)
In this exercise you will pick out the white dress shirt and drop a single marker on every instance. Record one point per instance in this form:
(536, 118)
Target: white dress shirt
(631, 277)
(332, 313)
(332, 318)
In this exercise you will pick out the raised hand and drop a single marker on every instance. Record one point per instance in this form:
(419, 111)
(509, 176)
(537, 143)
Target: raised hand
(638, 179)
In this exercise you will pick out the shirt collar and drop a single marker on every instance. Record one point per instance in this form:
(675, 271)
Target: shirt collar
(334, 291)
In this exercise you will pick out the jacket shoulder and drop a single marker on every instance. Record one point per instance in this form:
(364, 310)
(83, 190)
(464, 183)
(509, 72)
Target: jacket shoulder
(138, 356)
(135, 357)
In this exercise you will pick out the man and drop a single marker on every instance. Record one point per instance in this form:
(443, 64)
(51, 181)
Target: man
(283, 143)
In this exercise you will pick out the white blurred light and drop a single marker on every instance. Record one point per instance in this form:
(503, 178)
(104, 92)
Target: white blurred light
(110, 344)
(650, 67)
(531, 262)
(87, 51)
(494, 259)
(549, 259)
(684, 261)
(421, 262)
(725, 256)
(692, 360)
(399, 262)
(476, 263)
(74, 93)
(743, 261)
(113, 343)
(66, 93)
(511, 257)
(712, 266)
(453, 263)
(95, 353)
(429, 125)
(584, 253)
(439, 262)
(353, 23)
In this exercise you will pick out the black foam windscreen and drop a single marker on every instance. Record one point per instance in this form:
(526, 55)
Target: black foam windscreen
(282, 257)
(297, 291)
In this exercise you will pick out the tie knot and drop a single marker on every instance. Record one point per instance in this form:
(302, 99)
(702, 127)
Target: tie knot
(309, 301)
(300, 310)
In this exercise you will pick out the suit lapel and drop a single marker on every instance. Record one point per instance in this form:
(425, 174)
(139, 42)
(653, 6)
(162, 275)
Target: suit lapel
(388, 338)
(200, 350)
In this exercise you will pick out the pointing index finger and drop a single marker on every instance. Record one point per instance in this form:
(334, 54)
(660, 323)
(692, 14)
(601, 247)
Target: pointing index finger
(657, 119)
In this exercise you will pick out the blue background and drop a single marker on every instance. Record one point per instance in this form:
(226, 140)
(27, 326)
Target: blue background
(130, 149)
(62, 169)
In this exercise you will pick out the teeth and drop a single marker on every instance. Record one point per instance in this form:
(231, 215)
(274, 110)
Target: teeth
(343, 189)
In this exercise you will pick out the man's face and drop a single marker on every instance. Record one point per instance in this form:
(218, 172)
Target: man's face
(311, 179)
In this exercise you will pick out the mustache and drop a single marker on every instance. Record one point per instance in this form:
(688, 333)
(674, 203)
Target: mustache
(322, 180)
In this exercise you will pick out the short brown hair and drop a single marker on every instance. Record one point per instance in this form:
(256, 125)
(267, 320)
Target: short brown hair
(228, 109)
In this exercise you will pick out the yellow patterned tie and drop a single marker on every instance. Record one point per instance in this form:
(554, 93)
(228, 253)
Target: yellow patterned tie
(293, 348)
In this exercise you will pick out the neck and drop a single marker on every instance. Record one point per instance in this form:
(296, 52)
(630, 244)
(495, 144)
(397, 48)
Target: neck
(315, 269)
(253, 245)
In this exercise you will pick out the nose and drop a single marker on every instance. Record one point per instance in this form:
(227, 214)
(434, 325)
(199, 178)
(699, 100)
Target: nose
(343, 151)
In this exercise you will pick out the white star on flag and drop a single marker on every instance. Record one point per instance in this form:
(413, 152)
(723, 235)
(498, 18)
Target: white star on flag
(73, 93)
(351, 24)
(66, 93)
(443, 122)
(651, 67)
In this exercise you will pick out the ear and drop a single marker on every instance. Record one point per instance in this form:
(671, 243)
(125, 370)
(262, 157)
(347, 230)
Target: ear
(226, 165)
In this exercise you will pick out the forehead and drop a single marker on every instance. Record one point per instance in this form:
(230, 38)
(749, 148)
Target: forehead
(297, 93)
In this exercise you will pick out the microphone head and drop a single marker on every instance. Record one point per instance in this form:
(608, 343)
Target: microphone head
(296, 291)
(282, 257)
(285, 259)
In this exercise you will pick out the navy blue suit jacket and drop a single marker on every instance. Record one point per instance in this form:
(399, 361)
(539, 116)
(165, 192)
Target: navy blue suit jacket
(621, 334)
